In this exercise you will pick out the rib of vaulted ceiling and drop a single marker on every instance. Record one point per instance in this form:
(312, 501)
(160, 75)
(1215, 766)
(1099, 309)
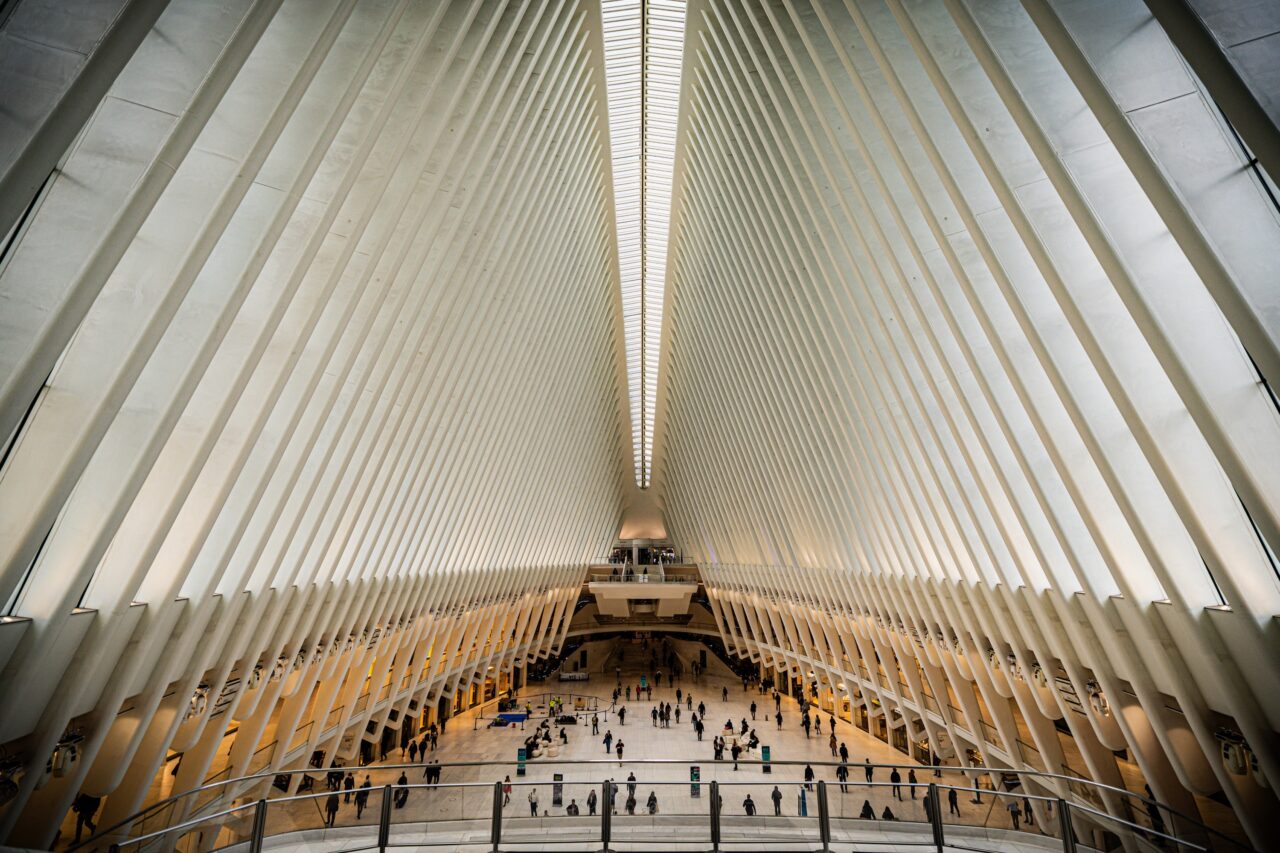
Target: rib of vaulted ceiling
(338, 337)
(967, 308)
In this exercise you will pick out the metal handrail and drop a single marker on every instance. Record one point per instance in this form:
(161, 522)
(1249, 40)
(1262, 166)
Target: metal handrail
(934, 817)
(853, 765)
(1136, 826)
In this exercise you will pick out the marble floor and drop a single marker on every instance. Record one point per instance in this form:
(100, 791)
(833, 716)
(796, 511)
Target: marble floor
(467, 793)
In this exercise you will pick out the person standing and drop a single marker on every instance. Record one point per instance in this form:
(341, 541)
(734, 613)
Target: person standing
(591, 802)
(622, 715)
(506, 791)
(608, 742)
(533, 802)
(653, 715)
(631, 783)
(348, 785)
(778, 717)
(753, 710)
(869, 770)
(912, 781)
(953, 802)
(776, 796)
(331, 809)
(724, 697)
(651, 805)
(844, 753)
(831, 742)
(619, 750)
(895, 778)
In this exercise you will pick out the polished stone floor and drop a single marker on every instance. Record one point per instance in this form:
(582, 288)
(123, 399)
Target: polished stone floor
(468, 792)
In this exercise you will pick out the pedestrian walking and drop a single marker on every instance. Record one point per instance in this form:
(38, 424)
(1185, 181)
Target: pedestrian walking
(402, 792)
(608, 742)
(778, 717)
(591, 802)
(651, 804)
(753, 710)
(595, 724)
(622, 715)
(749, 806)
(348, 785)
(506, 791)
(842, 776)
(912, 781)
(831, 742)
(844, 753)
(1014, 813)
(362, 797)
(724, 697)
(619, 750)
(331, 809)
(85, 808)
(953, 802)
(895, 778)
(808, 777)
(869, 770)
(533, 802)
(776, 796)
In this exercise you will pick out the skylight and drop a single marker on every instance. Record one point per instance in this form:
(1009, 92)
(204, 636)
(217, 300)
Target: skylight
(643, 50)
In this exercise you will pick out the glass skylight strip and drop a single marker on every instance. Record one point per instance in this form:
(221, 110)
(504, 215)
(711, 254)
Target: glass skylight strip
(643, 52)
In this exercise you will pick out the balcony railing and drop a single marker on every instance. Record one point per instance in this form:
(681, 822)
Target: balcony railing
(811, 815)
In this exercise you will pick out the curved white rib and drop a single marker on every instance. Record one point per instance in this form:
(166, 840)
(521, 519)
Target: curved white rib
(947, 398)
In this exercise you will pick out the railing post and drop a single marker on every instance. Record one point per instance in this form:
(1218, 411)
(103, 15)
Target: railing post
(715, 815)
(824, 817)
(259, 827)
(935, 815)
(495, 826)
(1064, 823)
(606, 815)
(384, 820)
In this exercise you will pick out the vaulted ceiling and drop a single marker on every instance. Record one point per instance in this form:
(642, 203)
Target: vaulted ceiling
(954, 320)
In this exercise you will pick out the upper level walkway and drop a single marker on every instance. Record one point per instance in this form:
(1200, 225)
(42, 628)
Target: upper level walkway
(624, 591)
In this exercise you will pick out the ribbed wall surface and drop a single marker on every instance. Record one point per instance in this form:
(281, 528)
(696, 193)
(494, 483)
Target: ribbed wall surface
(314, 396)
(966, 303)
(326, 299)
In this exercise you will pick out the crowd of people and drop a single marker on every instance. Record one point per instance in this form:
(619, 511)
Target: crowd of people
(735, 742)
